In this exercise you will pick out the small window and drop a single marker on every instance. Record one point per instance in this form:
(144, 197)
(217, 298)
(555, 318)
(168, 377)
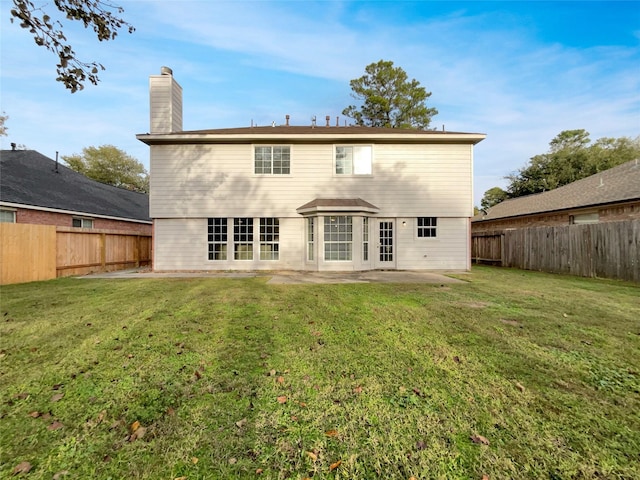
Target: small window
(217, 238)
(354, 160)
(7, 216)
(584, 218)
(82, 222)
(272, 160)
(427, 227)
(269, 239)
(243, 238)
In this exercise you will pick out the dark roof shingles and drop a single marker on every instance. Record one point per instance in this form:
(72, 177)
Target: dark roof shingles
(30, 178)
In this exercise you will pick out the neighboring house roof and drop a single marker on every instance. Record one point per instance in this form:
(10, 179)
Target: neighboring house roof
(311, 134)
(617, 184)
(32, 179)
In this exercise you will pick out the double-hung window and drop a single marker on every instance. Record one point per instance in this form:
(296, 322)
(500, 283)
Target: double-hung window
(217, 238)
(272, 160)
(427, 227)
(354, 159)
(338, 238)
(243, 238)
(269, 239)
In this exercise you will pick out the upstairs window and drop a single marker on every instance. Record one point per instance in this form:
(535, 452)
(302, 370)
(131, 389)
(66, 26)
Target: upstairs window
(82, 222)
(272, 160)
(354, 160)
(427, 227)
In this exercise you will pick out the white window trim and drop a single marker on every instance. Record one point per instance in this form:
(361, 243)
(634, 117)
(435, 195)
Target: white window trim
(437, 227)
(366, 244)
(311, 227)
(271, 174)
(352, 174)
(82, 220)
(344, 242)
(225, 242)
(239, 242)
(13, 211)
(274, 242)
(241, 248)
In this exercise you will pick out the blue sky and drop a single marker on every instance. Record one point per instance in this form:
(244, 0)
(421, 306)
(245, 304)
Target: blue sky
(521, 72)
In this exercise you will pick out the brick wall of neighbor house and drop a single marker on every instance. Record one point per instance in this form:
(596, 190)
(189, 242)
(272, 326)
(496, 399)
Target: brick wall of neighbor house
(612, 213)
(620, 212)
(549, 220)
(39, 217)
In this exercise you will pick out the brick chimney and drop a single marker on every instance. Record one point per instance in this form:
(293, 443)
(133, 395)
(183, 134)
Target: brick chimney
(165, 102)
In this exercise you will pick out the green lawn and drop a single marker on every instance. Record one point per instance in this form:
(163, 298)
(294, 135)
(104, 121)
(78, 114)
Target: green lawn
(511, 375)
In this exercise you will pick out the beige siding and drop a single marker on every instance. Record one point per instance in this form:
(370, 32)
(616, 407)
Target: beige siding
(165, 104)
(176, 107)
(198, 181)
(181, 244)
(449, 250)
(190, 183)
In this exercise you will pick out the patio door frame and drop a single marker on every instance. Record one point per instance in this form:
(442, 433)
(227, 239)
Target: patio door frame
(385, 238)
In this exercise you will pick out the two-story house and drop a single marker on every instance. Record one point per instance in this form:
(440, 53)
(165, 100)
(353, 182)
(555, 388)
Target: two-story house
(318, 198)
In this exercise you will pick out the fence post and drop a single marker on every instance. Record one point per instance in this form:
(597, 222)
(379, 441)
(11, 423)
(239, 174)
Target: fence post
(103, 250)
(137, 251)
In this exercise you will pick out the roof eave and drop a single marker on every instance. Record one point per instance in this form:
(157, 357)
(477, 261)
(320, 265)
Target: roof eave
(321, 137)
(337, 209)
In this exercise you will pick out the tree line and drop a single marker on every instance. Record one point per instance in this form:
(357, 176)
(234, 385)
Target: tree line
(571, 156)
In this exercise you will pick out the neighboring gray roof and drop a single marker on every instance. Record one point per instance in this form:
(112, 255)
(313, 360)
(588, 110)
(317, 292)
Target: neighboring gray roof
(618, 184)
(30, 178)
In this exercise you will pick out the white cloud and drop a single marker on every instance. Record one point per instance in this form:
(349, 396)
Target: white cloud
(239, 61)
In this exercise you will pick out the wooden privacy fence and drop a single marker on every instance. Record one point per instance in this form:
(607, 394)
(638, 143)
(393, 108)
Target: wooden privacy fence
(486, 247)
(42, 252)
(607, 250)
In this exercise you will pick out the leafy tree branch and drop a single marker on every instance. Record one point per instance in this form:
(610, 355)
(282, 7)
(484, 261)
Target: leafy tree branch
(101, 16)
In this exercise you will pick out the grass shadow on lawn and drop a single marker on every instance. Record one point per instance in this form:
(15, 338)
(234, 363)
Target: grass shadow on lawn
(511, 375)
